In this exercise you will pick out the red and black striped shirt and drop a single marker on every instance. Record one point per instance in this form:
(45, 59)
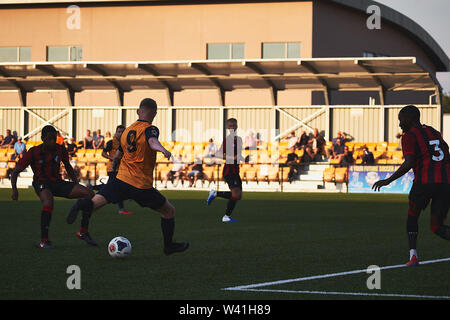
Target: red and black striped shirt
(45, 164)
(430, 152)
(232, 153)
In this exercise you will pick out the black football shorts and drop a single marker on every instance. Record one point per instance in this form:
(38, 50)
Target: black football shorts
(438, 193)
(116, 190)
(57, 188)
(233, 180)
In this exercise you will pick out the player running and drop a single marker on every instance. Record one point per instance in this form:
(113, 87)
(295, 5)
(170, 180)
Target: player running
(45, 161)
(231, 150)
(108, 152)
(138, 146)
(427, 153)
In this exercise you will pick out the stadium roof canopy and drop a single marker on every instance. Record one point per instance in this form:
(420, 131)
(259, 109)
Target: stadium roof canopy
(368, 74)
(423, 38)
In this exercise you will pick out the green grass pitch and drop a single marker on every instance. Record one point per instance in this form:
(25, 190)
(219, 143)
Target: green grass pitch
(279, 236)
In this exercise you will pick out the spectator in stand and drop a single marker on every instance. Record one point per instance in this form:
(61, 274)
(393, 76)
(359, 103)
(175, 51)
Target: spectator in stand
(292, 162)
(176, 172)
(302, 141)
(19, 150)
(98, 142)
(250, 142)
(317, 143)
(87, 141)
(367, 157)
(59, 138)
(292, 139)
(9, 140)
(338, 150)
(333, 143)
(339, 135)
(211, 149)
(196, 172)
(72, 148)
(107, 137)
(308, 155)
(347, 158)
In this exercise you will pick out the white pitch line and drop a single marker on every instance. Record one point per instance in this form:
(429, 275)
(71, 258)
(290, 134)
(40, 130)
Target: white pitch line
(330, 275)
(393, 295)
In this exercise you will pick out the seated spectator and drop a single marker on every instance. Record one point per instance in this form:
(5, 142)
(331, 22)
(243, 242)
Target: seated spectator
(19, 149)
(347, 158)
(317, 143)
(367, 157)
(98, 142)
(250, 142)
(9, 140)
(302, 141)
(292, 162)
(177, 171)
(292, 139)
(211, 149)
(339, 135)
(87, 141)
(338, 150)
(108, 137)
(72, 147)
(308, 155)
(195, 172)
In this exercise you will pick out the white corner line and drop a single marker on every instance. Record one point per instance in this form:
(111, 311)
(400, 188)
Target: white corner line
(392, 295)
(330, 275)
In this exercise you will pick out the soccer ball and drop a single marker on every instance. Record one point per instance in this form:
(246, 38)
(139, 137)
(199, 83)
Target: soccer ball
(119, 247)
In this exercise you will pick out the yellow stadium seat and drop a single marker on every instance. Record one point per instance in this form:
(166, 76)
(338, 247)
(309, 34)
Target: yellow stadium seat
(341, 174)
(328, 174)
(3, 173)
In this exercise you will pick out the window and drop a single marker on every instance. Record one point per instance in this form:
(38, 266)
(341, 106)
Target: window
(15, 54)
(281, 50)
(65, 53)
(225, 51)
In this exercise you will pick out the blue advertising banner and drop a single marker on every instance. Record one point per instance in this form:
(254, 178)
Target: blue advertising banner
(362, 178)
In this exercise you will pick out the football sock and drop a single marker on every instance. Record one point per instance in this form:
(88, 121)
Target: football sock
(413, 252)
(46, 216)
(120, 205)
(230, 206)
(85, 205)
(224, 194)
(85, 220)
(168, 228)
(412, 228)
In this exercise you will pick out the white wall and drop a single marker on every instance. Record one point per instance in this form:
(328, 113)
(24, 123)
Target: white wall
(446, 127)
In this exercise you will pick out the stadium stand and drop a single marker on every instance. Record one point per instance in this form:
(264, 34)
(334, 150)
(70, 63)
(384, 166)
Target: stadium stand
(266, 165)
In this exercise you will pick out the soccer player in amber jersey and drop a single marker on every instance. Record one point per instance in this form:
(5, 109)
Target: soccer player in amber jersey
(108, 152)
(427, 154)
(45, 161)
(138, 147)
(231, 150)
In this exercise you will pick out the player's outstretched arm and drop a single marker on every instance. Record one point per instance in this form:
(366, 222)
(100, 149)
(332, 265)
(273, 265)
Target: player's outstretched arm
(107, 149)
(156, 145)
(14, 175)
(116, 159)
(70, 171)
(407, 165)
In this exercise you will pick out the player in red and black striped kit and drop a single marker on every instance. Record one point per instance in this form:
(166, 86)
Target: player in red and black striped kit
(427, 154)
(45, 161)
(231, 150)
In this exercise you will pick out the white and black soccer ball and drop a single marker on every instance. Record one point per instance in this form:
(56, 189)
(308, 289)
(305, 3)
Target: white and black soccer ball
(119, 247)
